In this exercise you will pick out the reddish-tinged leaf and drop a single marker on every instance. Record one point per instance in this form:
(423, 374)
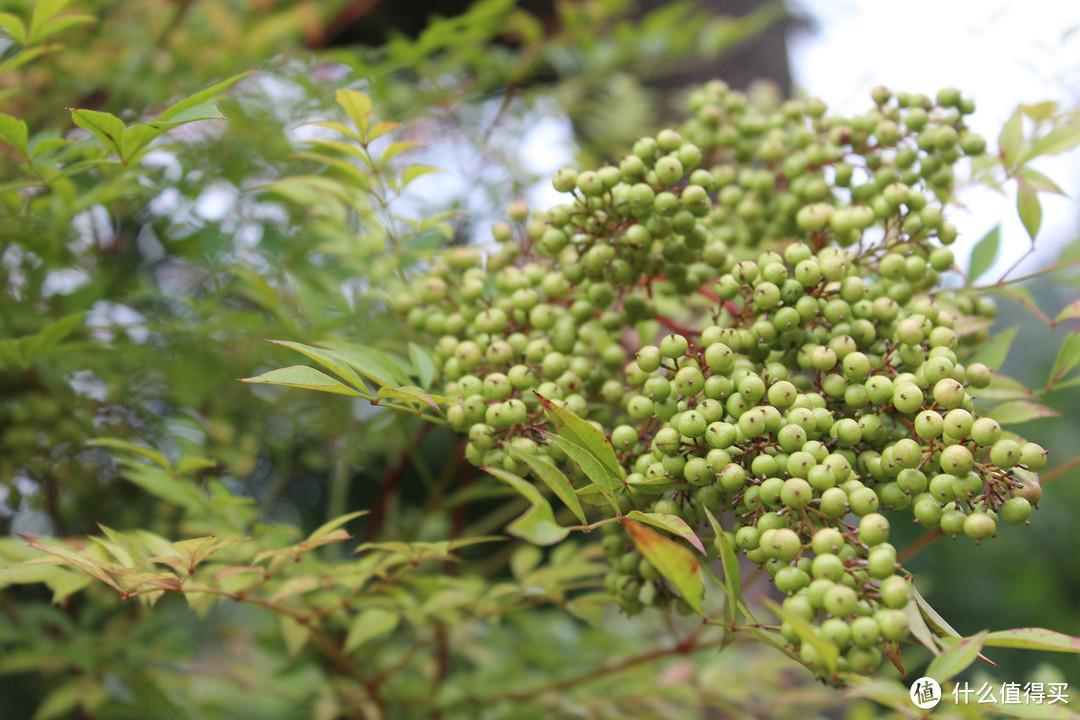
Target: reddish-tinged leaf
(892, 651)
(1072, 310)
(675, 562)
(671, 523)
(1034, 639)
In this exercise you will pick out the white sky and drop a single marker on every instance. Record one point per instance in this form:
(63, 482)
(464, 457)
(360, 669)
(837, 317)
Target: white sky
(998, 52)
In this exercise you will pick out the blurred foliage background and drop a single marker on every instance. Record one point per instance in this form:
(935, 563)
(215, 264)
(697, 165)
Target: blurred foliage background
(135, 292)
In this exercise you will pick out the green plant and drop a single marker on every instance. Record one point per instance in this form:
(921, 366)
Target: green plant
(748, 337)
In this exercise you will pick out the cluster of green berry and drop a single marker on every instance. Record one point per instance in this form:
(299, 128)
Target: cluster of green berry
(772, 276)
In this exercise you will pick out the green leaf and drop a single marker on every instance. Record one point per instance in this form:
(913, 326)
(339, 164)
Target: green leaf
(1040, 111)
(992, 352)
(672, 523)
(1068, 357)
(369, 624)
(725, 546)
(406, 392)
(919, 629)
(1058, 140)
(1070, 311)
(1034, 639)
(13, 132)
(357, 106)
(200, 97)
(828, 651)
(371, 363)
(423, 365)
(138, 137)
(141, 450)
(1040, 182)
(1009, 139)
(584, 434)
(538, 524)
(14, 26)
(303, 376)
(930, 615)
(334, 524)
(381, 128)
(44, 11)
(107, 128)
(1029, 208)
(395, 149)
(957, 658)
(59, 25)
(329, 360)
(985, 253)
(590, 465)
(339, 127)
(294, 634)
(554, 478)
(1019, 411)
(675, 562)
(414, 171)
(1004, 388)
(162, 484)
(27, 54)
(79, 561)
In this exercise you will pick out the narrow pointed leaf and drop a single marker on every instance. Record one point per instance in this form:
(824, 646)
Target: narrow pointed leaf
(329, 360)
(371, 363)
(826, 649)
(1033, 639)
(1040, 182)
(891, 649)
(1009, 139)
(395, 149)
(538, 524)
(13, 132)
(327, 527)
(150, 454)
(201, 97)
(590, 465)
(1019, 411)
(423, 365)
(957, 658)
(14, 26)
(1029, 208)
(671, 523)
(414, 171)
(729, 561)
(77, 560)
(993, 352)
(1070, 311)
(295, 635)
(381, 128)
(554, 478)
(369, 624)
(357, 106)
(675, 562)
(1068, 357)
(1058, 140)
(583, 434)
(985, 253)
(407, 392)
(107, 128)
(302, 376)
